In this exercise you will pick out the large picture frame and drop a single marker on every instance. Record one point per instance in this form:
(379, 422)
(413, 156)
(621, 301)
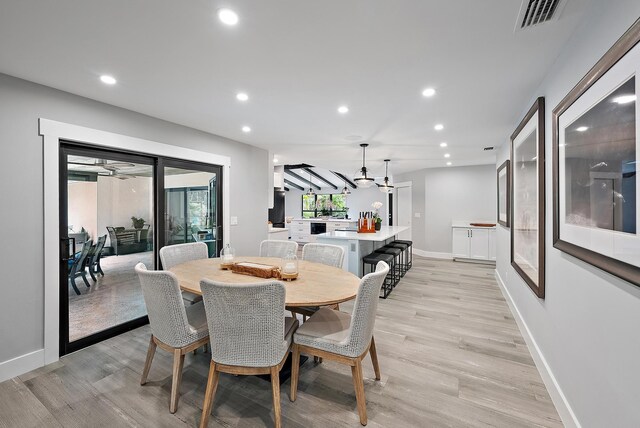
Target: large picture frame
(503, 177)
(528, 199)
(596, 143)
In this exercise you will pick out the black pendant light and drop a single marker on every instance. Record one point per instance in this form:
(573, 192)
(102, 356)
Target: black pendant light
(345, 190)
(385, 187)
(310, 192)
(361, 178)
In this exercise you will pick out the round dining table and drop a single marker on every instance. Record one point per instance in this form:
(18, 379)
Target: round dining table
(317, 284)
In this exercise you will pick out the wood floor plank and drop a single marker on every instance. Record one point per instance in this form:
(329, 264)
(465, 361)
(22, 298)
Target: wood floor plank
(450, 354)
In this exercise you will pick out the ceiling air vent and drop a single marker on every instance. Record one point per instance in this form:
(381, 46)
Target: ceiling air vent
(486, 149)
(534, 12)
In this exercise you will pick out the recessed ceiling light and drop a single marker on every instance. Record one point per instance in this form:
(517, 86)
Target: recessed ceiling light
(429, 92)
(447, 155)
(227, 16)
(439, 127)
(241, 96)
(343, 109)
(246, 129)
(275, 160)
(443, 144)
(582, 128)
(109, 80)
(448, 163)
(624, 99)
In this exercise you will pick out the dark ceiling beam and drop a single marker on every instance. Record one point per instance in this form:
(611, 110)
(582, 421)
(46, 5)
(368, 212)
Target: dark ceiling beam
(299, 177)
(319, 177)
(297, 166)
(294, 185)
(345, 179)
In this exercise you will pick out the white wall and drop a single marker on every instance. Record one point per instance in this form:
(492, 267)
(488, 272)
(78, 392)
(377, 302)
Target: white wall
(443, 195)
(194, 179)
(82, 207)
(22, 103)
(358, 200)
(586, 329)
(119, 200)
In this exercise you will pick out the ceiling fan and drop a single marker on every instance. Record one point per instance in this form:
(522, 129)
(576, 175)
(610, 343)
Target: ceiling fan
(116, 174)
(103, 163)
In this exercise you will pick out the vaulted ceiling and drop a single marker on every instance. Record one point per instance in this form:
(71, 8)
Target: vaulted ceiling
(299, 61)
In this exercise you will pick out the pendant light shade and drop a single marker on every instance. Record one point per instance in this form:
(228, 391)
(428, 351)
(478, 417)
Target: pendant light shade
(345, 189)
(310, 192)
(361, 178)
(385, 187)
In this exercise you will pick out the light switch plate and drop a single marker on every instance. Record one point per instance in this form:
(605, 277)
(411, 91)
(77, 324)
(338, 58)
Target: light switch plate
(234, 220)
(416, 215)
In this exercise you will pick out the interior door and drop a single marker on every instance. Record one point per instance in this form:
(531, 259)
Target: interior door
(404, 209)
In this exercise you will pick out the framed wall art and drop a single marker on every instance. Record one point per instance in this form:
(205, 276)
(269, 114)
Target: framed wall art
(527, 198)
(596, 142)
(504, 181)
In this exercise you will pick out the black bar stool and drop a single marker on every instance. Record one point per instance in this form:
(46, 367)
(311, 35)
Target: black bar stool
(397, 261)
(404, 266)
(372, 260)
(410, 244)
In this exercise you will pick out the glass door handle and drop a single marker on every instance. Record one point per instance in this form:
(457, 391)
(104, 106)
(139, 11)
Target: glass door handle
(64, 249)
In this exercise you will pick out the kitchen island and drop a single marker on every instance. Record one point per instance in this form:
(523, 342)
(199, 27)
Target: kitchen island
(357, 245)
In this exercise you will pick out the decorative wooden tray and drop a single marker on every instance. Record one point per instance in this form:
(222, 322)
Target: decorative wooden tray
(256, 269)
(483, 224)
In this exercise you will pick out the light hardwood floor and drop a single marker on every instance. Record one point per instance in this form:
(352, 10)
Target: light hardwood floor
(450, 355)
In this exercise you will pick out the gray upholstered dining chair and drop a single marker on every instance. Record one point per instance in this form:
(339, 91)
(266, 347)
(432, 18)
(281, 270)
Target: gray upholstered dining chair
(331, 255)
(174, 327)
(276, 248)
(172, 255)
(249, 334)
(342, 337)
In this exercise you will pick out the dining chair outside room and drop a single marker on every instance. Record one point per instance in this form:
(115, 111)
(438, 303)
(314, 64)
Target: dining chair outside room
(172, 255)
(250, 334)
(174, 327)
(94, 257)
(342, 337)
(78, 266)
(277, 248)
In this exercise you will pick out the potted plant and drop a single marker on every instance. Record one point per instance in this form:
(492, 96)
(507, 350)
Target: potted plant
(138, 223)
(376, 215)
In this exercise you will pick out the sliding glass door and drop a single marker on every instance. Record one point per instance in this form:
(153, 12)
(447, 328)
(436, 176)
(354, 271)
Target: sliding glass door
(116, 210)
(191, 203)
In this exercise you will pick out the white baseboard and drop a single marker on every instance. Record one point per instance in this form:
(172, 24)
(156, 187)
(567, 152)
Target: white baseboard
(432, 254)
(563, 407)
(22, 364)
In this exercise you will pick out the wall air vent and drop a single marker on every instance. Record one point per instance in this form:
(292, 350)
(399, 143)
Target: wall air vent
(486, 149)
(534, 12)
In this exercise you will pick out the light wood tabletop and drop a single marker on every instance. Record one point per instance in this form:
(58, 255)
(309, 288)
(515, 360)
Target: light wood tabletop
(317, 284)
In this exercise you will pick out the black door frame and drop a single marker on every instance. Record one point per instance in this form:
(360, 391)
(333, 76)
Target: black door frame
(158, 164)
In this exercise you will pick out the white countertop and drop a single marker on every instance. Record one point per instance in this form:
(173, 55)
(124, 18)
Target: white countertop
(323, 220)
(383, 234)
(467, 225)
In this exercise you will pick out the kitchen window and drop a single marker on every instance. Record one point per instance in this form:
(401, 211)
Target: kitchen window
(324, 205)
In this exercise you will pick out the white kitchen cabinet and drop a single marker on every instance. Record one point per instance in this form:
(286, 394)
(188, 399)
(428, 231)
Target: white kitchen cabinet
(473, 243)
(461, 244)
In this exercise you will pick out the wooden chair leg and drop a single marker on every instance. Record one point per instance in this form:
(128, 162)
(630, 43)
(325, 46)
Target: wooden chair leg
(374, 358)
(275, 390)
(295, 371)
(147, 364)
(212, 385)
(178, 363)
(358, 383)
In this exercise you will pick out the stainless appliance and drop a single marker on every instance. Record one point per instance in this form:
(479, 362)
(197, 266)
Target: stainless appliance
(318, 228)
